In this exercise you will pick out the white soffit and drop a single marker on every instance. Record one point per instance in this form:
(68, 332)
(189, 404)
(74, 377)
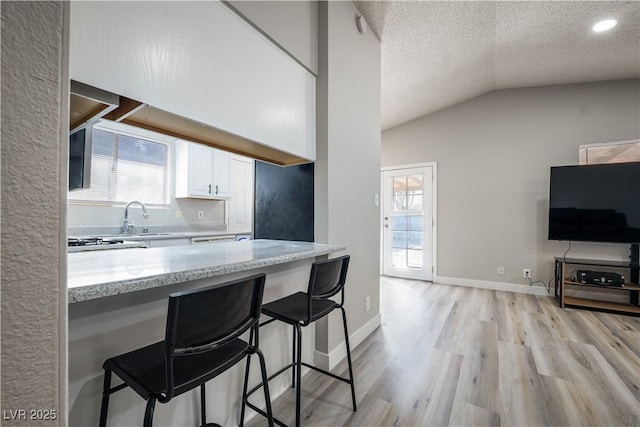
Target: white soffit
(438, 53)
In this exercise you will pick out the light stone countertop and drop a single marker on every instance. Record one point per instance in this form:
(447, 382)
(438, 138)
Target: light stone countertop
(98, 274)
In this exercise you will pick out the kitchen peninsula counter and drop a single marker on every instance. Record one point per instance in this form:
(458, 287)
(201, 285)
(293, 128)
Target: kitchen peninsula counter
(100, 274)
(118, 302)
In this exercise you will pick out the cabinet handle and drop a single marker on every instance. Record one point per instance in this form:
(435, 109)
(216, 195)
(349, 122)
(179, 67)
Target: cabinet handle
(216, 189)
(209, 188)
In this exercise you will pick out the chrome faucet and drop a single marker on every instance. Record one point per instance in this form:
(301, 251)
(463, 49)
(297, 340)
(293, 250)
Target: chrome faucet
(126, 227)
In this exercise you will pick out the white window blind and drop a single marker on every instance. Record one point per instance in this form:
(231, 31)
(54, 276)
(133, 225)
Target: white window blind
(610, 152)
(125, 168)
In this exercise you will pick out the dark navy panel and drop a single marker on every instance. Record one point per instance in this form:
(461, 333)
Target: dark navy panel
(283, 205)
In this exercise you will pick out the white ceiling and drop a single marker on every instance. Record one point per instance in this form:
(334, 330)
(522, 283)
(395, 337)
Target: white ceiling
(438, 53)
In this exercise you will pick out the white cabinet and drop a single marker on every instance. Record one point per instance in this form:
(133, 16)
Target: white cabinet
(201, 172)
(240, 211)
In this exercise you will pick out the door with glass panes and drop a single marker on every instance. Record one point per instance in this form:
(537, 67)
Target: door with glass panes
(408, 222)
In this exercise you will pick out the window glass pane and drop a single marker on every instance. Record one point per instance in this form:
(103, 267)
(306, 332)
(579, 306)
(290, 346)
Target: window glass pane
(414, 222)
(414, 258)
(621, 152)
(414, 184)
(399, 222)
(399, 258)
(414, 202)
(136, 181)
(399, 239)
(399, 202)
(414, 240)
(141, 151)
(400, 184)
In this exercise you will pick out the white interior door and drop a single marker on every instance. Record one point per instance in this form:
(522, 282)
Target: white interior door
(408, 222)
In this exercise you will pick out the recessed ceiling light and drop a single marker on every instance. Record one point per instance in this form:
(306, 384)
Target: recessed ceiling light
(605, 25)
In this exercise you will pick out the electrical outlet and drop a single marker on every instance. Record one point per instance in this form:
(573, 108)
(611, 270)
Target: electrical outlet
(178, 214)
(501, 271)
(367, 304)
(200, 214)
(526, 273)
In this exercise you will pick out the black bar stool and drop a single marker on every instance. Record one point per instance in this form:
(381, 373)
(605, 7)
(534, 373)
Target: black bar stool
(301, 309)
(201, 342)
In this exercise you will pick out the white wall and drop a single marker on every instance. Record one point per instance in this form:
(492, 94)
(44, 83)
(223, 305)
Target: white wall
(292, 24)
(348, 158)
(494, 153)
(34, 302)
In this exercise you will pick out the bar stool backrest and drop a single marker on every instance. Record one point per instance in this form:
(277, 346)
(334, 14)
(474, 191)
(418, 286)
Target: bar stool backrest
(205, 319)
(327, 279)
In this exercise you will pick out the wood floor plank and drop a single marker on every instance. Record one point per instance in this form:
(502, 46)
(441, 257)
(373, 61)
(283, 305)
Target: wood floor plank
(434, 394)
(450, 355)
(375, 413)
(570, 404)
(511, 327)
(611, 395)
(479, 380)
(465, 414)
(624, 360)
(520, 387)
(529, 303)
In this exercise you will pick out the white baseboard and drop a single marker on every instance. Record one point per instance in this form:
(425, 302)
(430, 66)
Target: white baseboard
(496, 286)
(331, 360)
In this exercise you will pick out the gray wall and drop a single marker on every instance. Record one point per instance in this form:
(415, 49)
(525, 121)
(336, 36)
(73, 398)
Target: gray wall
(34, 304)
(348, 157)
(494, 153)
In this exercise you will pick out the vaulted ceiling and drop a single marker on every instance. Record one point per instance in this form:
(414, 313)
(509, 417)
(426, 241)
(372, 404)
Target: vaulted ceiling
(439, 53)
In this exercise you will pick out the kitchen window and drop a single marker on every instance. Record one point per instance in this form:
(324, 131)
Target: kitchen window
(125, 167)
(610, 152)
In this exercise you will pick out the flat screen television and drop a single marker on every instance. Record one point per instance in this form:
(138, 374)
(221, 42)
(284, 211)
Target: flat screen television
(595, 203)
(80, 158)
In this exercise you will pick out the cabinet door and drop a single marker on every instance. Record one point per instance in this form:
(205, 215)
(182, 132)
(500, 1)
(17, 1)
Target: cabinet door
(221, 182)
(241, 204)
(201, 173)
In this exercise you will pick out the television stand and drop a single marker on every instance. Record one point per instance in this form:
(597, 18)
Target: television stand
(564, 282)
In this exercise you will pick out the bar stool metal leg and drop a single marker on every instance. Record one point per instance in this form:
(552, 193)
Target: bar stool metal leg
(293, 359)
(148, 413)
(244, 389)
(346, 340)
(265, 381)
(298, 373)
(106, 391)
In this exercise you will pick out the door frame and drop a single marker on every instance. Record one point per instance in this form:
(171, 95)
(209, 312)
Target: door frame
(434, 204)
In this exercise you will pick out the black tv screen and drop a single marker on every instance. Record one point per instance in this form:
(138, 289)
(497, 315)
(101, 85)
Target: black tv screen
(595, 203)
(80, 158)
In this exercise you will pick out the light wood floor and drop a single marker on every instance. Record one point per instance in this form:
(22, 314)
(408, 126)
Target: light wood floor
(449, 355)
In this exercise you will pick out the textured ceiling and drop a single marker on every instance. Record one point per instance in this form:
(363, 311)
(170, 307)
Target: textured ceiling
(438, 53)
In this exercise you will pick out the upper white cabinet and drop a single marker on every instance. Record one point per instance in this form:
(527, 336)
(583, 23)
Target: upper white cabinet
(201, 172)
(200, 61)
